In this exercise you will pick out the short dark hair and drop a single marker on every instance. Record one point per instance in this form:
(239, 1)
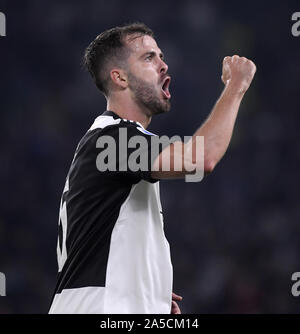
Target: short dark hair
(109, 48)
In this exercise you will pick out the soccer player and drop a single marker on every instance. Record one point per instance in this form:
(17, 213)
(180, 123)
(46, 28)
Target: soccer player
(113, 256)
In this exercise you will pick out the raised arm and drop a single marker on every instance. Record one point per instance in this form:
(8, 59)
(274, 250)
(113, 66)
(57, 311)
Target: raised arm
(237, 75)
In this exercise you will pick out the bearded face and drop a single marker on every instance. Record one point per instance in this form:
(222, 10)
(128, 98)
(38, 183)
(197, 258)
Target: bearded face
(153, 97)
(149, 95)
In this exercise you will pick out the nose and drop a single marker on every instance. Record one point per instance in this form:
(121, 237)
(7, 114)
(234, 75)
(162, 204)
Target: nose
(163, 67)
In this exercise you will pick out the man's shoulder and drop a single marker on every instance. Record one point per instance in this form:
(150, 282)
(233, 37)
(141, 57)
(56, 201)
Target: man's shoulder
(105, 124)
(104, 121)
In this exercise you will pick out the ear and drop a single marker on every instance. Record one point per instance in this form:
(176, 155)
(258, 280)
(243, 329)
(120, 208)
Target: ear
(119, 77)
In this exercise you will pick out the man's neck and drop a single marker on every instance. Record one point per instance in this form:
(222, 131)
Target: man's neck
(129, 110)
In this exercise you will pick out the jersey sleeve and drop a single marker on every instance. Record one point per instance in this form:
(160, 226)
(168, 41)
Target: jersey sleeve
(132, 153)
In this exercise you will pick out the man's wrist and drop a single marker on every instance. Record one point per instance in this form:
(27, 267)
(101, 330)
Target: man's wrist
(237, 89)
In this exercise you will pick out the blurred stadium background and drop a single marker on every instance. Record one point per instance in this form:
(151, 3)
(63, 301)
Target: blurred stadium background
(235, 237)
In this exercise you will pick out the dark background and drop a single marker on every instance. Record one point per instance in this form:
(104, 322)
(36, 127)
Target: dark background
(235, 237)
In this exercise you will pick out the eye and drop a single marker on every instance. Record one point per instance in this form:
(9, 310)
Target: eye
(148, 58)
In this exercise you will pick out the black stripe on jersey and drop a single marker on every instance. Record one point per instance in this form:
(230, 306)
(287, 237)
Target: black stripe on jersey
(93, 204)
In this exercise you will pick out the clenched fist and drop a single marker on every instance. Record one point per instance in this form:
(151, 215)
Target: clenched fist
(238, 72)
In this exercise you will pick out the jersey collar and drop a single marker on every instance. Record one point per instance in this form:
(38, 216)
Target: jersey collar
(110, 113)
(115, 116)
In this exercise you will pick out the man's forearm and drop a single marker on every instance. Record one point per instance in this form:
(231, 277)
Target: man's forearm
(217, 129)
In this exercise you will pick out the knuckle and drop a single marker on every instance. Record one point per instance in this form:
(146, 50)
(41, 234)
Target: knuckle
(226, 59)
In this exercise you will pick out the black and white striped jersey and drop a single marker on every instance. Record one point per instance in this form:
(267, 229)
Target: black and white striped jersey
(113, 256)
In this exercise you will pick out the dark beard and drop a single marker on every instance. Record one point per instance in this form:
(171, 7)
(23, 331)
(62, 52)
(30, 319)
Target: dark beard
(146, 96)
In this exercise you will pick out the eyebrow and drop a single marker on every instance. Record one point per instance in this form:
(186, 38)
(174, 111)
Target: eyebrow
(152, 53)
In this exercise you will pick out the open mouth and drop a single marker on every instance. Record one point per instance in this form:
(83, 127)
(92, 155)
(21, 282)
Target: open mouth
(165, 88)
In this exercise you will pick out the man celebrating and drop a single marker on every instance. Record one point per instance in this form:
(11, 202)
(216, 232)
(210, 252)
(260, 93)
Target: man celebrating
(113, 256)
